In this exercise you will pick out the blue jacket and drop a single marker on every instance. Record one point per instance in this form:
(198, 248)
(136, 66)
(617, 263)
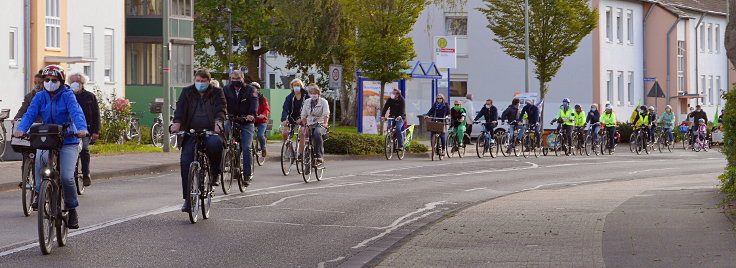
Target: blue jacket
(287, 109)
(439, 110)
(532, 113)
(63, 109)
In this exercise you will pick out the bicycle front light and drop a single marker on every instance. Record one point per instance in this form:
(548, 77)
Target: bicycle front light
(47, 172)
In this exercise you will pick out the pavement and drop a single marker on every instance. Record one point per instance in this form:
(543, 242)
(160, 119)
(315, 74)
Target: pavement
(365, 211)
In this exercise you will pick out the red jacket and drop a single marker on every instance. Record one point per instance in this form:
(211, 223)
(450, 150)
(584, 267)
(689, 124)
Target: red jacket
(263, 110)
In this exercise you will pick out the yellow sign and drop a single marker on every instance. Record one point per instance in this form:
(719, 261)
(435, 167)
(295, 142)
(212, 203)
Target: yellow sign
(442, 42)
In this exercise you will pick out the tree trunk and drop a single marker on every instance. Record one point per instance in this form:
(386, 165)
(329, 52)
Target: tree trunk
(382, 102)
(254, 60)
(731, 33)
(542, 94)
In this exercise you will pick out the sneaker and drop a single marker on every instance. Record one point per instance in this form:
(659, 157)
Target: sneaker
(248, 180)
(263, 153)
(87, 180)
(34, 203)
(73, 221)
(216, 182)
(185, 206)
(320, 161)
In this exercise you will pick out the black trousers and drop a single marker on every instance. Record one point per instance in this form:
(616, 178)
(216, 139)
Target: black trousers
(468, 130)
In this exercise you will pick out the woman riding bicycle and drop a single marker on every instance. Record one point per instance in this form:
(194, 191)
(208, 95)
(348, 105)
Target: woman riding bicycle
(292, 109)
(56, 104)
(261, 118)
(668, 121)
(315, 114)
(458, 115)
(440, 109)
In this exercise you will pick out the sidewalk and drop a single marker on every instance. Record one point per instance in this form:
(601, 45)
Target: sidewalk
(661, 222)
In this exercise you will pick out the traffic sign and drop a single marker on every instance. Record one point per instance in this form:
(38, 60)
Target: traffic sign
(335, 76)
(445, 53)
(650, 79)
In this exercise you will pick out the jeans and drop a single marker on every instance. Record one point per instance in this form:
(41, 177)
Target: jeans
(611, 136)
(246, 141)
(399, 134)
(317, 142)
(670, 136)
(594, 131)
(84, 155)
(652, 130)
(261, 135)
(68, 160)
(443, 139)
(511, 129)
(213, 149)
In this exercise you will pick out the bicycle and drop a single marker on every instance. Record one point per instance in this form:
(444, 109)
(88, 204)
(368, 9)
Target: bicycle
(436, 126)
(641, 140)
(199, 177)
(78, 173)
(510, 145)
(595, 145)
(701, 144)
(28, 172)
(530, 141)
(289, 150)
(391, 142)
(486, 143)
(687, 137)
(256, 149)
(157, 129)
(457, 143)
(233, 158)
(560, 143)
(309, 158)
(52, 219)
(605, 142)
(4, 114)
(663, 141)
(581, 142)
(131, 129)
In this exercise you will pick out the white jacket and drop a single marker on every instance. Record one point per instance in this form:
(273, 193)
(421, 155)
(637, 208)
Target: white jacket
(316, 114)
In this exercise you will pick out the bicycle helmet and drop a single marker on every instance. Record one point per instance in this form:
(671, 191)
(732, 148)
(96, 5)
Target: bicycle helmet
(566, 100)
(609, 108)
(651, 108)
(643, 108)
(55, 70)
(256, 85)
(578, 106)
(701, 120)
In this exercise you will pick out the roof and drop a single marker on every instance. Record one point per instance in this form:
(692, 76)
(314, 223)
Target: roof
(710, 6)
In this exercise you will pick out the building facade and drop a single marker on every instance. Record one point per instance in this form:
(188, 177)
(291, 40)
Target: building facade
(13, 61)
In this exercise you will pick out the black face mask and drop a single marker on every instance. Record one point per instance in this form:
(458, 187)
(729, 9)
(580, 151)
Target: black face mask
(237, 83)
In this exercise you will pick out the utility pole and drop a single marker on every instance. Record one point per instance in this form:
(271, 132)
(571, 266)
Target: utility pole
(166, 73)
(526, 51)
(229, 40)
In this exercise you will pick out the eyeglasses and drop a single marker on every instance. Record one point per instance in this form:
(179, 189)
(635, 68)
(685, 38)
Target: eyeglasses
(52, 80)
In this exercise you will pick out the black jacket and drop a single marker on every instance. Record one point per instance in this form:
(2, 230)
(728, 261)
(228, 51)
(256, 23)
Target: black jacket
(398, 107)
(698, 115)
(532, 114)
(88, 101)
(24, 107)
(593, 117)
(490, 115)
(288, 108)
(214, 100)
(510, 114)
(246, 103)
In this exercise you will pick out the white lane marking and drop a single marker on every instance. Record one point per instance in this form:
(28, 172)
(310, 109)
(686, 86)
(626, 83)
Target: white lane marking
(322, 264)
(559, 183)
(648, 170)
(274, 203)
(475, 189)
(314, 210)
(400, 222)
(307, 224)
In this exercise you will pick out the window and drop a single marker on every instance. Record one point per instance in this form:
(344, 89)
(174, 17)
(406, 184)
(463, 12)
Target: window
(181, 64)
(718, 89)
(630, 26)
(609, 87)
(456, 25)
(181, 8)
(680, 66)
(630, 88)
(702, 38)
(143, 7)
(609, 25)
(619, 26)
(272, 81)
(718, 38)
(702, 84)
(109, 55)
(710, 37)
(620, 81)
(458, 88)
(13, 47)
(143, 64)
(710, 90)
(53, 24)
(88, 48)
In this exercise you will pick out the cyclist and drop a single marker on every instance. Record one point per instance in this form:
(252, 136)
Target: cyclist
(641, 121)
(200, 107)
(531, 112)
(697, 115)
(668, 121)
(262, 117)
(593, 119)
(38, 87)
(396, 106)
(510, 115)
(652, 123)
(579, 116)
(88, 102)
(57, 105)
(215, 83)
(242, 102)
(565, 119)
(702, 129)
(490, 113)
(609, 120)
(458, 115)
(440, 109)
(292, 108)
(316, 110)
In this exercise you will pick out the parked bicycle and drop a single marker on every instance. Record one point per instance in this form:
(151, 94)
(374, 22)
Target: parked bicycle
(131, 129)
(391, 143)
(309, 158)
(486, 143)
(200, 177)
(157, 129)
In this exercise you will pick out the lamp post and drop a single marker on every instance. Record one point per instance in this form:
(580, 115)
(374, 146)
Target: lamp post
(229, 39)
(526, 44)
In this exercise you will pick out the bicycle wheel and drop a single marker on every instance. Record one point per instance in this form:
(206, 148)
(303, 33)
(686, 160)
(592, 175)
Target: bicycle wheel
(706, 145)
(558, 145)
(62, 218)
(588, 145)
(668, 145)
(388, 146)
(227, 177)
(237, 159)
(28, 185)
(633, 143)
(516, 145)
(194, 192)
(258, 153)
(205, 187)
(287, 157)
(525, 146)
(661, 143)
(481, 147)
(535, 145)
(401, 153)
(172, 140)
(319, 170)
(461, 147)
(78, 177)
(697, 145)
(157, 135)
(46, 217)
(2, 140)
(503, 145)
(307, 163)
(435, 150)
(685, 140)
(450, 143)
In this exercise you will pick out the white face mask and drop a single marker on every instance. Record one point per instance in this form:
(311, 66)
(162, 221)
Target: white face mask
(51, 86)
(488, 106)
(314, 96)
(75, 87)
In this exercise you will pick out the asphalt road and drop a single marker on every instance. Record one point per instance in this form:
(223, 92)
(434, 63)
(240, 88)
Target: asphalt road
(359, 211)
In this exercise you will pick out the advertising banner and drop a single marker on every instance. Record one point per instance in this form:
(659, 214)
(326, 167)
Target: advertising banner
(372, 104)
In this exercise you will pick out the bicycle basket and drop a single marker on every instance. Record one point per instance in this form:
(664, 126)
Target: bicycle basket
(432, 126)
(4, 114)
(156, 107)
(46, 136)
(20, 145)
(683, 129)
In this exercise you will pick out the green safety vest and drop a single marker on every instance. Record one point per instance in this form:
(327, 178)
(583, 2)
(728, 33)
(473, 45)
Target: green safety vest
(566, 116)
(608, 119)
(643, 120)
(579, 119)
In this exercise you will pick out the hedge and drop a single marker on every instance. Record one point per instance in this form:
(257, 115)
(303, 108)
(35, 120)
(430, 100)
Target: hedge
(362, 144)
(728, 178)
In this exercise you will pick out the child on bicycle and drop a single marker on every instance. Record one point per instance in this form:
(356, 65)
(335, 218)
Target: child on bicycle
(458, 114)
(702, 129)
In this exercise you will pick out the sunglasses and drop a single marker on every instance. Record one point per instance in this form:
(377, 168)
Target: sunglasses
(52, 80)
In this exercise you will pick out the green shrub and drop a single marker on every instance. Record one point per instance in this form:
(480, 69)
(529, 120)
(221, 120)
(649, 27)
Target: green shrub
(728, 178)
(362, 144)
(625, 130)
(416, 147)
(146, 135)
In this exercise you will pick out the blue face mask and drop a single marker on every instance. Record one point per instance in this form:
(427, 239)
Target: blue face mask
(593, 109)
(201, 86)
(297, 89)
(565, 105)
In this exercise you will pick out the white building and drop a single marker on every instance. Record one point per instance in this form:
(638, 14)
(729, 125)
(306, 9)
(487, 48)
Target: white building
(12, 57)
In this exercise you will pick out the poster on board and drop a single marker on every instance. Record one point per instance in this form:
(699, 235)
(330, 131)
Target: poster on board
(372, 104)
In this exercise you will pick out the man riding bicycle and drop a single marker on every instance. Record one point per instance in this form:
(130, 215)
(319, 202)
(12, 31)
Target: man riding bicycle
(242, 103)
(315, 115)
(579, 117)
(200, 107)
(490, 113)
(564, 118)
(531, 112)
(396, 107)
(609, 120)
(440, 109)
(652, 123)
(510, 115)
(88, 102)
(56, 104)
(641, 121)
(593, 119)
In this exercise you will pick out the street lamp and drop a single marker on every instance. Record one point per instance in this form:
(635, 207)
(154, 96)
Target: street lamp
(229, 39)
(526, 51)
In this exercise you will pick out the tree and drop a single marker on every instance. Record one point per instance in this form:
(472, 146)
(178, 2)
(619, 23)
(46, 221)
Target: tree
(556, 28)
(252, 21)
(383, 47)
(729, 122)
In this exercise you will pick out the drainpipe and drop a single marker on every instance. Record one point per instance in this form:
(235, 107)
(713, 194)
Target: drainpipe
(667, 96)
(697, 66)
(27, 45)
(644, 50)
